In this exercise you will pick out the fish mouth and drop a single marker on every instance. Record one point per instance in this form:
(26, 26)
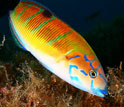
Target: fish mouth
(102, 93)
(99, 92)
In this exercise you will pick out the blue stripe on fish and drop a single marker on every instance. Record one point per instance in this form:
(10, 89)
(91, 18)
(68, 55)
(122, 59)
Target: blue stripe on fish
(74, 57)
(91, 84)
(70, 68)
(84, 72)
(98, 67)
(102, 77)
(74, 78)
(90, 61)
(70, 71)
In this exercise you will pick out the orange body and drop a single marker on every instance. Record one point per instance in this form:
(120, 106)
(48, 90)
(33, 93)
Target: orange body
(58, 47)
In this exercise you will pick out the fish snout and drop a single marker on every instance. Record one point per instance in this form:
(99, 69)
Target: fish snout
(103, 92)
(100, 92)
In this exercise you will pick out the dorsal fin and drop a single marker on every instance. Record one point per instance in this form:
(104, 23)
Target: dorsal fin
(39, 5)
(36, 4)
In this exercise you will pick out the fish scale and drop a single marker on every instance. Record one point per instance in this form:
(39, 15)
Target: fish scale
(41, 26)
(58, 47)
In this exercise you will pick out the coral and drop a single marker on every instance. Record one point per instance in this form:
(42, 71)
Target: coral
(3, 41)
(116, 86)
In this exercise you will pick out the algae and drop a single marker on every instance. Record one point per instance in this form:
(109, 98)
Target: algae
(25, 83)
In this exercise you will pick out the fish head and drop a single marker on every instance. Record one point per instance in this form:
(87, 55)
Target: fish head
(86, 73)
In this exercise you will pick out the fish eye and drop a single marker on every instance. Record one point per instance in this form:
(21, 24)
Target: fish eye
(93, 74)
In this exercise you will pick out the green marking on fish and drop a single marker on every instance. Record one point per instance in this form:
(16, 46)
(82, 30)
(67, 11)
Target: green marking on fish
(13, 13)
(42, 24)
(72, 50)
(59, 37)
(23, 12)
(28, 19)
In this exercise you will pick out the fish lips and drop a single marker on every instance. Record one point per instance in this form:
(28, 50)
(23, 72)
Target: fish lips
(102, 93)
(99, 92)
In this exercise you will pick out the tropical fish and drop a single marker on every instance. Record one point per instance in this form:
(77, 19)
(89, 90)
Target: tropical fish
(58, 47)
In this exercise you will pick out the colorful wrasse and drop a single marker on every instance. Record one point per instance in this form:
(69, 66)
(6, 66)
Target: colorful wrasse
(58, 47)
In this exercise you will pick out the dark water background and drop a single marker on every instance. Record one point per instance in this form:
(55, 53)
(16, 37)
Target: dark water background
(75, 13)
